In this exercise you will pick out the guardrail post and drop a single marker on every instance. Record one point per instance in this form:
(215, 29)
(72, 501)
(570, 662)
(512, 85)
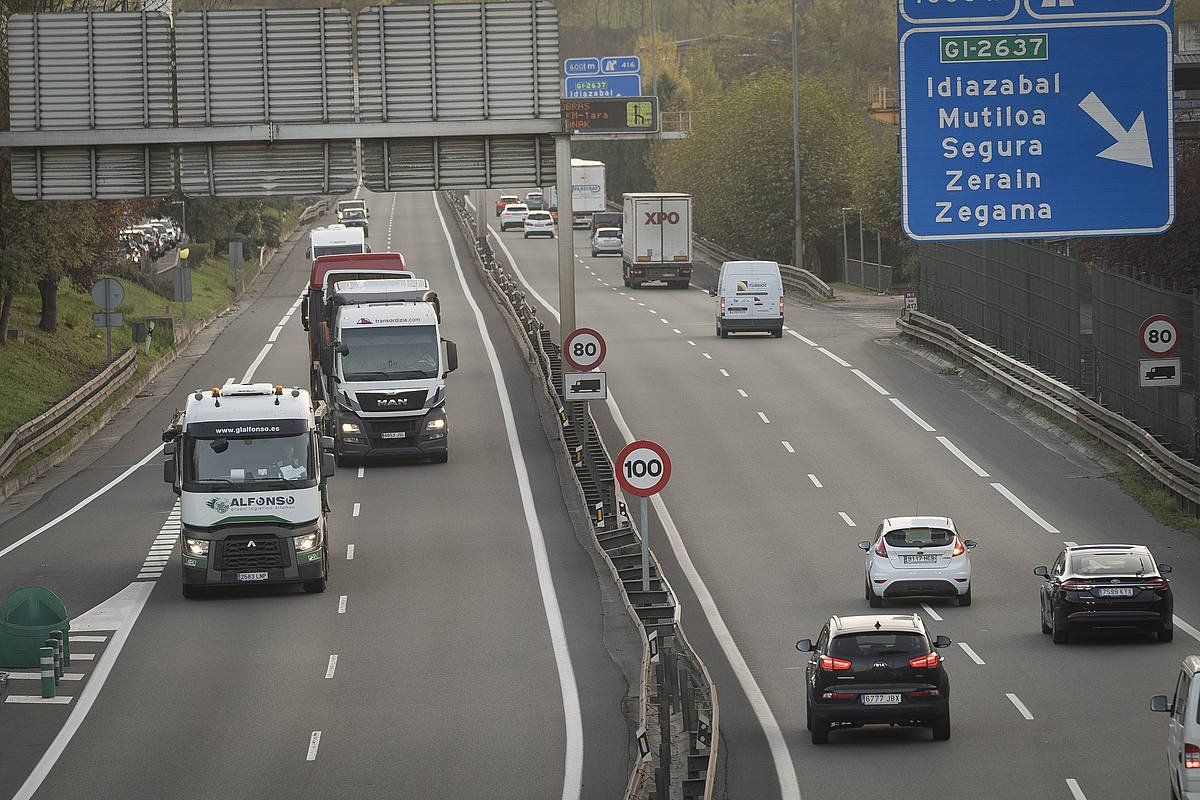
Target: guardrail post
(46, 658)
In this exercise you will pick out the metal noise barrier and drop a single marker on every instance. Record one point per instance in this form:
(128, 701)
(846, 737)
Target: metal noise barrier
(1176, 474)
(677, 700)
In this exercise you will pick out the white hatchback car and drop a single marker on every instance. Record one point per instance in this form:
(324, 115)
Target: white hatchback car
(538, 223)
(917, 557)
(513, 216)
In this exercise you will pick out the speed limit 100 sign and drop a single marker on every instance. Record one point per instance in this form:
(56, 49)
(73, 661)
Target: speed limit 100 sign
(584, 349)
(1159, 335)
(643, 468)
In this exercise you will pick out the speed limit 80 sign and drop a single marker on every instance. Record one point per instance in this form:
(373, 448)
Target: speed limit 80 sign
(1159, 335)
(584, 349)
(643, 468)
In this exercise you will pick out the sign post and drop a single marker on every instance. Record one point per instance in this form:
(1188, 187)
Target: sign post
(643, 469)
(108, 294)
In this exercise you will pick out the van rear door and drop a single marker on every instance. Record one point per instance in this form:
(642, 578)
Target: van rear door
(751, 295)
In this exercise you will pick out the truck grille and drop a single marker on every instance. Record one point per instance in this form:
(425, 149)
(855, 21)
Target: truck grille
(237, 553)
(409, 427)
(392, 401)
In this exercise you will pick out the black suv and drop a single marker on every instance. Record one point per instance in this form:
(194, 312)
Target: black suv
(1106, 586)
(879, 668)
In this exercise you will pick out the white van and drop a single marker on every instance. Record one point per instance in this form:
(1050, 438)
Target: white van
(751, 298)
(1183, 730)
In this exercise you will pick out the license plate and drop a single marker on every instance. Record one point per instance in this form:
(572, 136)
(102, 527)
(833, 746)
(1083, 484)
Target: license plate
(921, 559)
(392, 435)
(880, 699)
(668, 275)
(252, 576)
(1116, 591)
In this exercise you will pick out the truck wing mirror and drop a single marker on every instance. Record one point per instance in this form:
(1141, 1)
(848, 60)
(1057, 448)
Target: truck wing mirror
(169, 448)
(304, 312)
(327, 444)
(712, 292)
(308, 254)
(169, 471)
(1160, 703)
(451, 358)
(328, 465)
(341, 349)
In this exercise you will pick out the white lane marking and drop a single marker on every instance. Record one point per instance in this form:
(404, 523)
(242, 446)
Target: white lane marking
(1016, 701)
(689, 341)
(961, 456)
(573, 769)
(870, 382)
(37, 676)
(1071, 544)
(706, 355)
(256, 362)
(36, 699)
(1186, 628)
(349, 552)
(142, 576)
(84, 638)
(156, 559)
(815, 481)
(622, 294)
(360, 471)
(834, 356)
(357, 508)
(357, 189)
(676, 330)
(329, 670)
(641, 304)
(804, 339)
(935, 615)
(763, 417)
(228, 381)
(1076, 792)
(342, 604)
(788, 446)
(652, 311)
(742, 392)
(846, 519)
(663, 320)
(275, 333)
(82, 503)
(1026, 510)
(136, 594)
(314, 741)
(971, 654)
(723, 372)
(908, 412)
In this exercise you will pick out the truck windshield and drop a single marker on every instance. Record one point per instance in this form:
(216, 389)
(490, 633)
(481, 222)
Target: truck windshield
(396, 353)
(336, 249)
(265, 459)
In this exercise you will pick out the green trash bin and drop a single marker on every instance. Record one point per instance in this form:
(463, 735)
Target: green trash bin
(27, 617)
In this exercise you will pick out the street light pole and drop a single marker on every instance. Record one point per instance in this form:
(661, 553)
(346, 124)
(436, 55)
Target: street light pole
(798, 242)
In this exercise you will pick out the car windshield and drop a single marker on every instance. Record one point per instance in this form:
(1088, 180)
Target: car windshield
(390, 353)
(259, 460)
(536, 215)
(869, 645)
(1089, 564)
(919, 537)
(354, 213)
(515, 207)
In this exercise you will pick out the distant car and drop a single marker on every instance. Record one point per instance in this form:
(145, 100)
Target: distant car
(917, 557)
(1183, 730)
(536, 201)
(355, 218)
(346, 205)
(505, 200)
(1106, 586)
(513, 216)
(538, 223)
(875, 669)
(606, 240)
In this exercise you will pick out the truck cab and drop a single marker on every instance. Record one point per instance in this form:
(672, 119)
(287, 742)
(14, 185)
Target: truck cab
(250, 466)
(335, 240)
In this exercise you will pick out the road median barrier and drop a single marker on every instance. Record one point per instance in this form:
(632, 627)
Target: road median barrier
(28, 618)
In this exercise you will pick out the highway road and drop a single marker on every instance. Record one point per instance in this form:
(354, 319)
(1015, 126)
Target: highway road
(461, 649)
(786, 453)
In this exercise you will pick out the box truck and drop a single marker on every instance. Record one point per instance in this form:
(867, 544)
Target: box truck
(657, 239)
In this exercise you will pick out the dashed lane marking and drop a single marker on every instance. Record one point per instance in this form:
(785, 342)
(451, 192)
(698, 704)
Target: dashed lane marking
(870, 382)
(763, 417)
(834, 356)
(803, 338)
(933, 614)
(1076, 792)
(332, 667)
(349, 552)
(816, 481)
(908, 412)
(342, 604)
(971, 654)
(1016, 701)
(1026, 510)
(961, 456)
(314, 742)
(846, 519)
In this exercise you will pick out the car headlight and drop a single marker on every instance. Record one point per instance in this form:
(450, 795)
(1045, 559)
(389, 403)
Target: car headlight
(196, 547)
(351, 427)
(436, 424)
(308, 542)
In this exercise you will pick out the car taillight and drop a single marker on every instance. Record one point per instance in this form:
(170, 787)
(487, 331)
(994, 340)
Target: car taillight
(781, 306)
(926, 693)
(1075, 585)
(837, 695)
(834, 664)
(881, 549)
(1191, 756)
(959, 547)
(1154, 583)
(925, 661)
(722, 306)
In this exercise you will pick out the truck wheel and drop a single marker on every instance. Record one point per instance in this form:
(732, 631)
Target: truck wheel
(315, 586)
(777, 333)
(192, 592)
(440, 458)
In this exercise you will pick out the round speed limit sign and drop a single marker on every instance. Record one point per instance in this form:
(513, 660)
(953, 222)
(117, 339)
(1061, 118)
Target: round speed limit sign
(584, 349)
(643, 468)
(1159, 335)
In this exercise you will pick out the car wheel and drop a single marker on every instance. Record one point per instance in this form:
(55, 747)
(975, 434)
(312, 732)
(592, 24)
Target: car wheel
(941, 728)
(440, 458)
(192, 592)
(808, 714)
(778, 333)
(593, 254)
(722, 332)
(873, 600)
(1058, 629)
(820, 731)
(1166, 634)
(964, 599)
(625, 280)
(1042, 619)
(315, 586)
(525, 236)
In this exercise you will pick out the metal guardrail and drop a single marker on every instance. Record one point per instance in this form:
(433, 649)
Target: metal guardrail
(59, 418)
(682, 683)
(796, 278)
(311, 212)
(1176, 474)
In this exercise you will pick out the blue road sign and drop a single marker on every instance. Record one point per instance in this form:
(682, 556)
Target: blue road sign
(620, 65)
(581, 66)
(1030, 118)
(604, 86)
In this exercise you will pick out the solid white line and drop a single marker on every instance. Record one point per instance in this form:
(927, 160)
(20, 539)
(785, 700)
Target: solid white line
(804, 339)
(1186, 628)
(788, 446)
(355, 510)
(349, 552)
(1016, 701)
(573, 768)
(82, 503)
(37, 676)
(1076, 792)
(869, 382)
(36, 699)
(846, 519)
(706, 355)
(763, 417)
(815, 481)
(86, 638)
(971, 654)
(908, 412)
(742, 392)
(342, 604)
(91, 691)
(256, 362)
(314, 741)
(275, 333)
(834, 356)
(329, 670)
(935, 615)
(360, 471)
(142, 576)
(961, 456)
(1029, 512)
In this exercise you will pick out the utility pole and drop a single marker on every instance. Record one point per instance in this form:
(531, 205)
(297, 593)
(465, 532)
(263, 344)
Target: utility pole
(566, 235)
(798, 244)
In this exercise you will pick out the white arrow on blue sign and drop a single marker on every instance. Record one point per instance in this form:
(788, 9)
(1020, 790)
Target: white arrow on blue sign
(1036, 118)
(620, 65)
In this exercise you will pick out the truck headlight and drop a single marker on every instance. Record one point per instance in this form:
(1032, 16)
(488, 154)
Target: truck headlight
(436, 424)
(196, 547)
(351, 427)
(308, 542)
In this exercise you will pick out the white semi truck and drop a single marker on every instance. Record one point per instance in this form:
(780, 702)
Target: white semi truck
(656, 240)
(587, 191)
(250, 466)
